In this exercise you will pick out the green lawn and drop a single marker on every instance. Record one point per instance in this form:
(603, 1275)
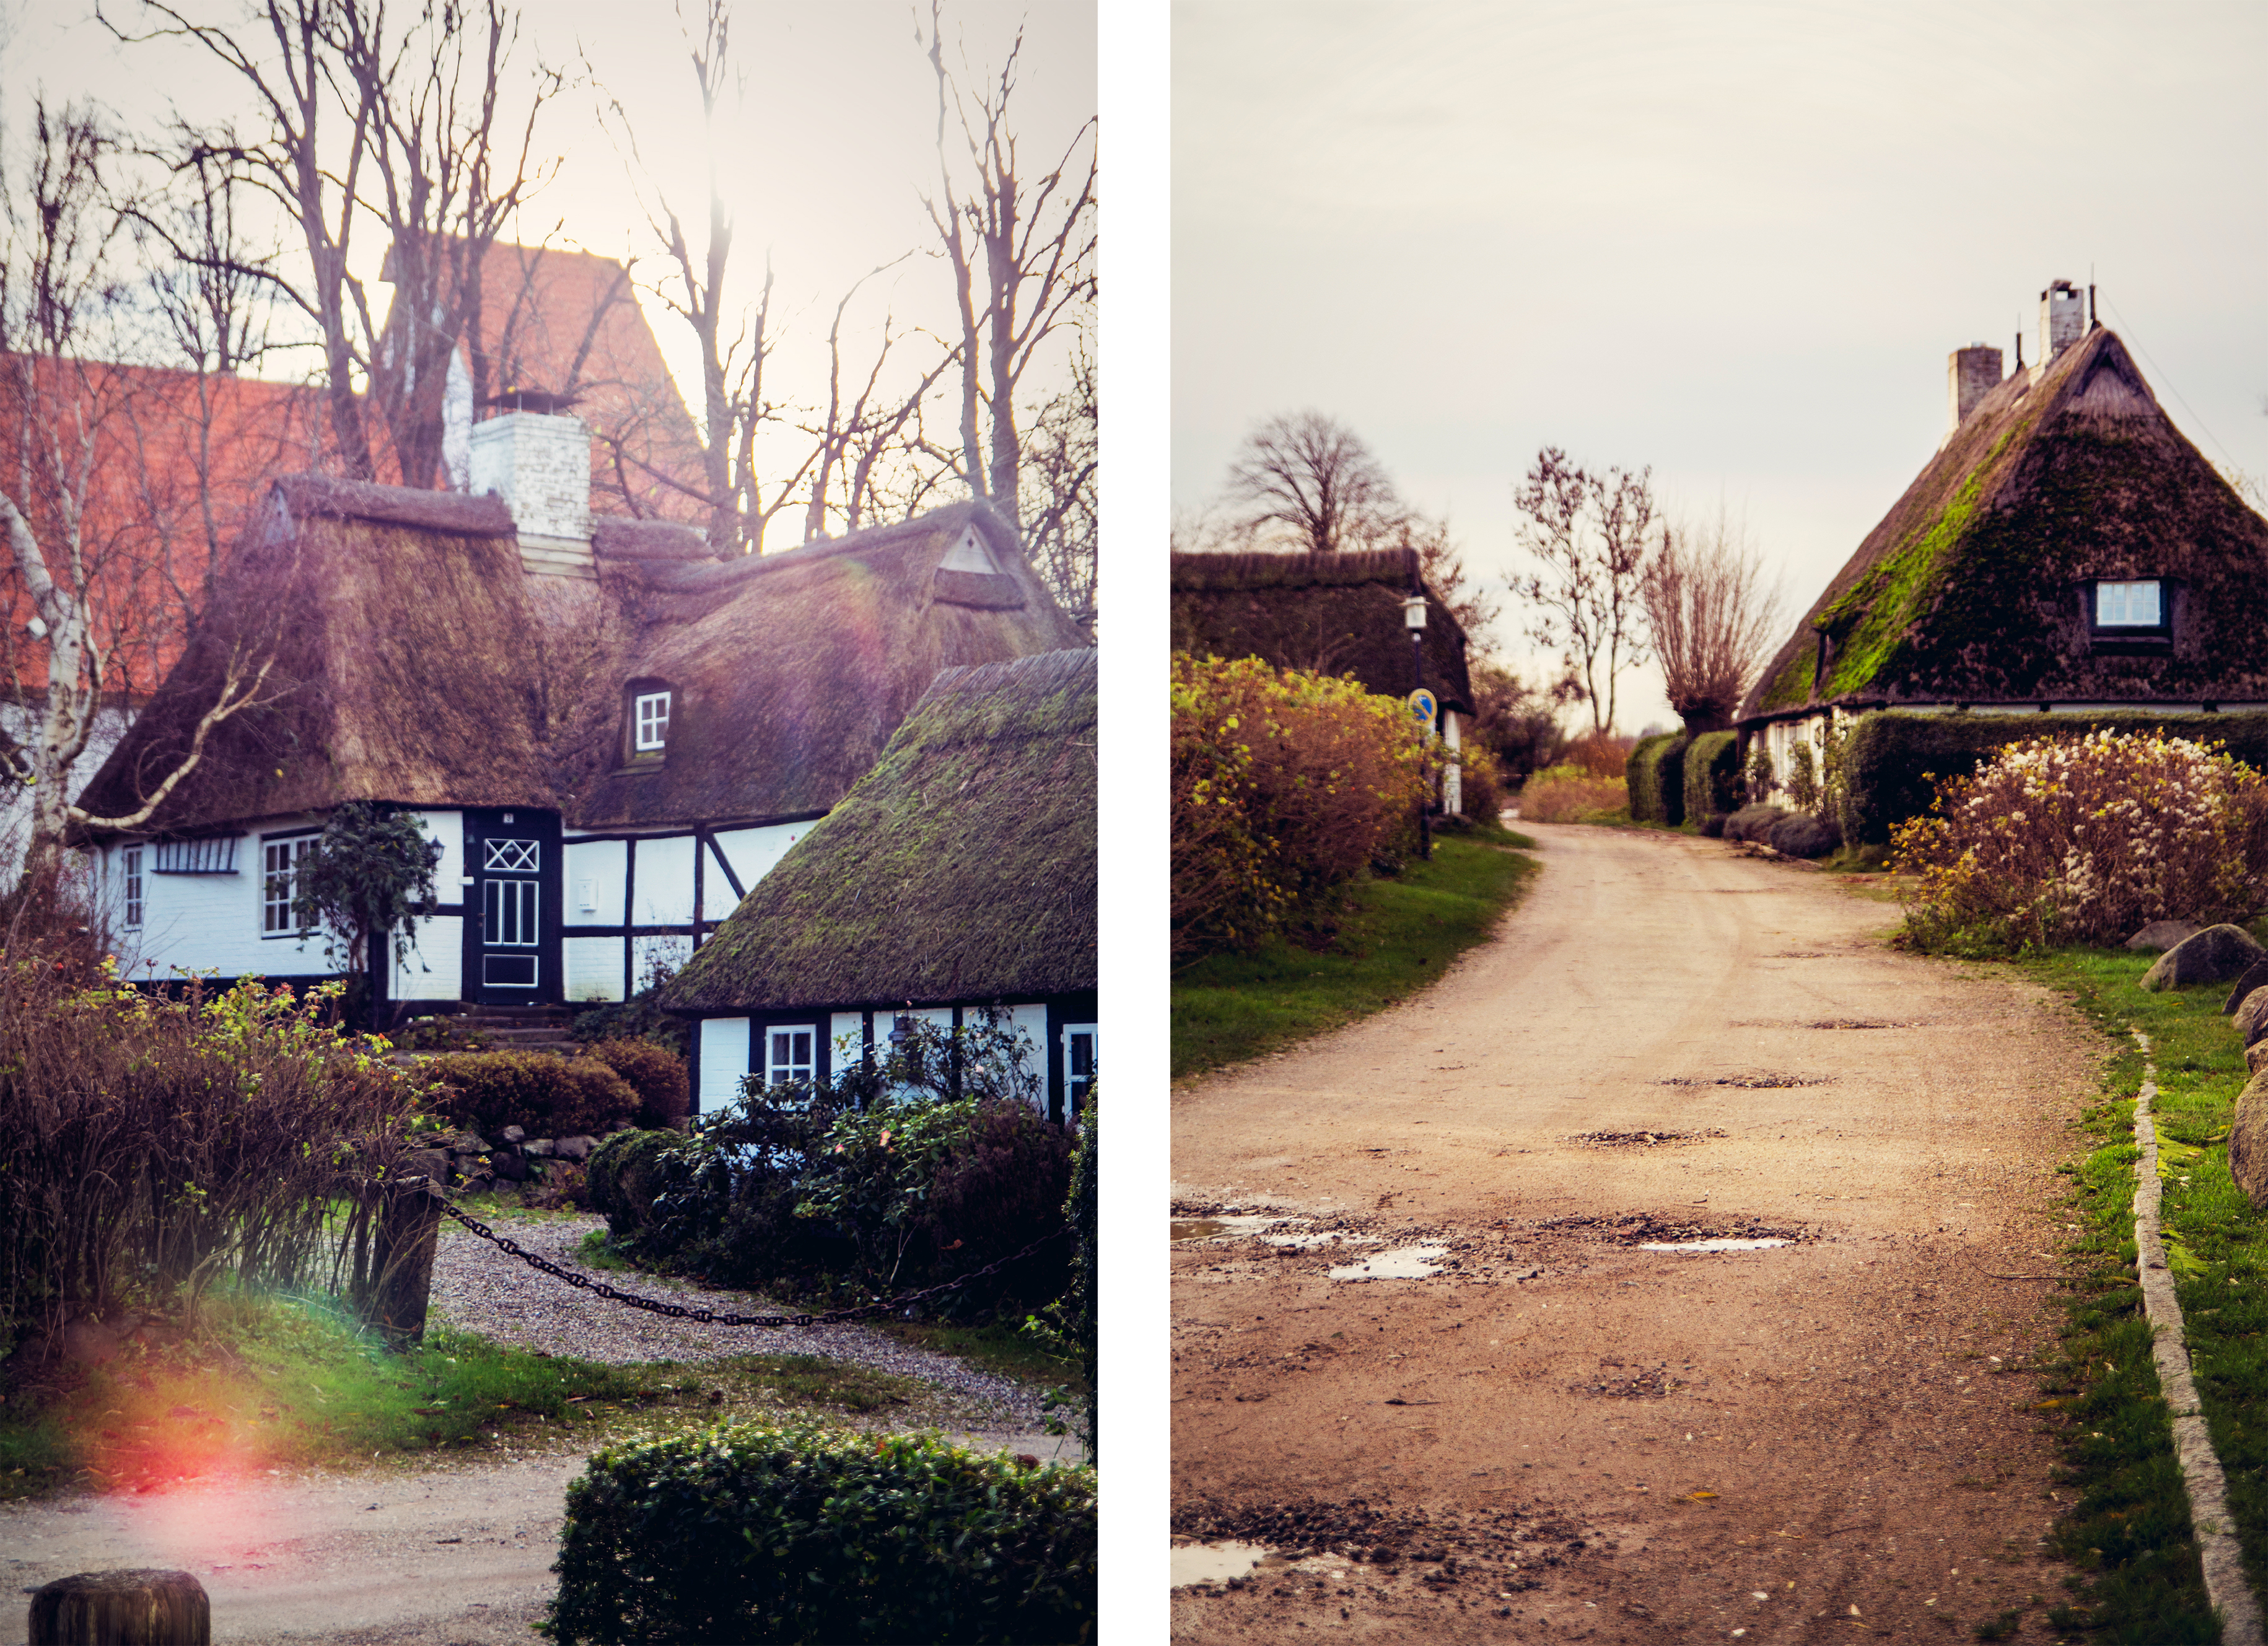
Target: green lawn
(273, 1383)
(2129, 1534)
(1390, 937)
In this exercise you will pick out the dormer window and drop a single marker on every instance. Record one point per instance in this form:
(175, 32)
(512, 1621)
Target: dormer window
(650, 723)
(2131, 606)
(646, 706)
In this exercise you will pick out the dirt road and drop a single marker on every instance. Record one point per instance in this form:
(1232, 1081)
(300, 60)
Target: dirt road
(1558, 1434)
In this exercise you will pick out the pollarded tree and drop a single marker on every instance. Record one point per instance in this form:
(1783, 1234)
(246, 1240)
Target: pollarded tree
(1712, 619)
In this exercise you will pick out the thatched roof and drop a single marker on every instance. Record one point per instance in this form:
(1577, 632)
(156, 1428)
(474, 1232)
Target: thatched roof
(960, 868)
(1335, 614)
(1973, 588)
(388, 612)
(417, 663)
(793, 670)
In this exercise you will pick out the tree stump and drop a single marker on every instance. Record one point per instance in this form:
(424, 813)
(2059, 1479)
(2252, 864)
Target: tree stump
(408, 1227)
(141, 1607)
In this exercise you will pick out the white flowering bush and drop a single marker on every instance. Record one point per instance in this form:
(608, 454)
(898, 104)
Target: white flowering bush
(2083, 839)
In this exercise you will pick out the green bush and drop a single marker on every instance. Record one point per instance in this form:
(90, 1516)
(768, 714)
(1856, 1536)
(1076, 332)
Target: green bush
(1712, 775)
(1285, 785)
(549, 1096)
(758, 1534)
(637, 1016)
(1897, 757)
(654, 1072)
(1656, 775)
(622, 1179)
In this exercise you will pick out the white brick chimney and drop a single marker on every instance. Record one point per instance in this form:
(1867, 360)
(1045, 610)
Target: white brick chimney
(540, 466)
(2063, 319)
(1971, 373)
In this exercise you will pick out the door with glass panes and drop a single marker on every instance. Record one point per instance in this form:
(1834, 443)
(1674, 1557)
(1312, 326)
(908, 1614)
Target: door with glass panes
(512, 907)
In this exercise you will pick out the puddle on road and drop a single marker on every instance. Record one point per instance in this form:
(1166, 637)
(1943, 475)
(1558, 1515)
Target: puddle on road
(1409, 1262)
(1196, 1228)
(1710, 1246)
(1214, 1562)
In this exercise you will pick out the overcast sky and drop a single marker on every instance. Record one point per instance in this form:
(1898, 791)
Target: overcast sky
(823, 160)
(1732, 239)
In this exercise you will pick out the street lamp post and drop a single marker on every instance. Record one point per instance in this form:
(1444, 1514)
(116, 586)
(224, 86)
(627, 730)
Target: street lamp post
(1413, 617)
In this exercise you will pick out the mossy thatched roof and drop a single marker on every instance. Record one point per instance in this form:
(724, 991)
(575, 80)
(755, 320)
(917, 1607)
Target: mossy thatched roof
(416, 661)
(960, 868)
(1336, 614)
(1974, 588)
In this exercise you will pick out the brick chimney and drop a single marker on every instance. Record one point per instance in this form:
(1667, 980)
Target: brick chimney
(1971, 373)
(540, 465)
(2063, 319)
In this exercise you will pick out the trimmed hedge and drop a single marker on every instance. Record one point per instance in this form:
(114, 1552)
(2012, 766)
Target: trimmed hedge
(1898, 757)
(1655, 773)
(760, 1533)
(1713, 775)
(654, 1072)
(549, 1096)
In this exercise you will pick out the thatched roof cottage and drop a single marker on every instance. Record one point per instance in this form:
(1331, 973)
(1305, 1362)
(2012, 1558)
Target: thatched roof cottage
(2066, 549)
(613, 735)
(1332, 613)
(957, 874)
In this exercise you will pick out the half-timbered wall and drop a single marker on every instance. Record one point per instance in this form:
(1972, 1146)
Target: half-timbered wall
(636, 902)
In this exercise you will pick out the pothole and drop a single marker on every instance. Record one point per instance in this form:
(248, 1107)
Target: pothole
(1643, 1229)
(1855, 1023)
(1640, 1140)
(1409, 1262)
(1618, 1382)
(1318, 1237)
(1197, 1228)
(1716, 1243)
(1763, 1080)
(1214, 1562)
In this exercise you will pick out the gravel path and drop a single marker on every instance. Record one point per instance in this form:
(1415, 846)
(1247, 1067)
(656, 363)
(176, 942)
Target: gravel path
(478, 1288)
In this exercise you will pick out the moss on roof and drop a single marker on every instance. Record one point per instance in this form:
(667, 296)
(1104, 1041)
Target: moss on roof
(1973, 588)
(960, 868)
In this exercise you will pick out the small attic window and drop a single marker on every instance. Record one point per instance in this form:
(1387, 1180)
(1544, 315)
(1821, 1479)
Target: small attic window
(645, 720)
(970, 554)
(2131, 606)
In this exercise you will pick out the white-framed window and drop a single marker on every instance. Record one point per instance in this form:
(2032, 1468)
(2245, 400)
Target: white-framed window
(129, 863)
(279, 884)
(650, 723)
(2140, 605)
(791, 1054)
(1078, 1063)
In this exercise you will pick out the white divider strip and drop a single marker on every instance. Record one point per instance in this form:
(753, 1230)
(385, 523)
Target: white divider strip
(2201, 1473)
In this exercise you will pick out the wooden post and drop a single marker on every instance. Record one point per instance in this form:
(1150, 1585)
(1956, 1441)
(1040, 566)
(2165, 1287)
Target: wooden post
(141, 1607)
(402, 1266)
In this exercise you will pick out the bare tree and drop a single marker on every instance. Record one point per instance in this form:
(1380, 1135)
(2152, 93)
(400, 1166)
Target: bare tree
(1062, 502)
(1588, 534)
(1308, 482)
(1712, 619)
(83, 559)
(405, 128)
(1022, 257)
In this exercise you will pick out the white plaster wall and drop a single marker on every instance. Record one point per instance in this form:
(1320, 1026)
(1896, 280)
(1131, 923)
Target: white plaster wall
(662, 894)
(210, 922)
(594, 882)
(448, 827)
(594, 967)
(436, 967)
(724, 1061)
(1452, 781)
(754, 853)
(20, 721)
(846, 1035)
(647, 953)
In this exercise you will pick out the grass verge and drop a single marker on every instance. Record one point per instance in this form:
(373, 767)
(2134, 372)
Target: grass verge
(266, 1384)
(1389, 937)
(2129, 1534)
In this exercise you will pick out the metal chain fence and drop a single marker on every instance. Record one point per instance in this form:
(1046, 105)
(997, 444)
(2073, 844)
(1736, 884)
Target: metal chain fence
(710, 1317)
